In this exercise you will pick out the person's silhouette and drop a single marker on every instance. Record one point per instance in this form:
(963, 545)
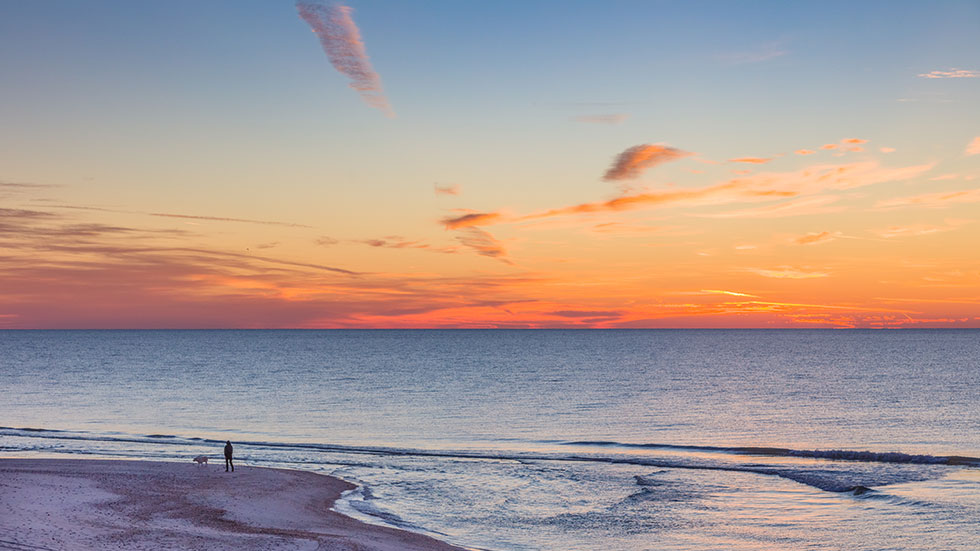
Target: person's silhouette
(228, 451)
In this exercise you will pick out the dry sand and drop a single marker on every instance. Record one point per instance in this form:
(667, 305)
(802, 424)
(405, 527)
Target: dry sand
(81, 505)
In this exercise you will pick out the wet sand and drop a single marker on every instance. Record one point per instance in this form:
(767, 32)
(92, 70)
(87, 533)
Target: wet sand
(82, 505)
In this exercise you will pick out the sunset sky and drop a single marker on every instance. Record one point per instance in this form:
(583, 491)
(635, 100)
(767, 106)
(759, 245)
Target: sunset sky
(263, 163)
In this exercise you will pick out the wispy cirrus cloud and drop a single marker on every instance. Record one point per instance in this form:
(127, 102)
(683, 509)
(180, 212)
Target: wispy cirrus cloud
(798, 207)
(632, 162)
(449, 189)
(973, 148)
(398, 242)
(788, 272)
(815, 238)
(951, 73)
(225, 219)
(185, 216)
(341, 40)
(764, 52)
(751, 160)
(729, 293)
(932, 200)
(611, 118)
(483, 243)
(909, 231)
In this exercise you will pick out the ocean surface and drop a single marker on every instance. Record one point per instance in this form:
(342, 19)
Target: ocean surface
(554, 440)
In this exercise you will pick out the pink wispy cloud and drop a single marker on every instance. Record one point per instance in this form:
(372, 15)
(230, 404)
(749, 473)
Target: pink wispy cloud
(814, 238)
(951, 73)
(933, 200)
(751, 160)
(341, 40)
(910, 231)
(787, 272)
(450, 189)
(634, 161)
(973, 148)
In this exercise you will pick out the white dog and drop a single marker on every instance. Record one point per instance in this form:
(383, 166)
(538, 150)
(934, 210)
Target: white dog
(201, 460)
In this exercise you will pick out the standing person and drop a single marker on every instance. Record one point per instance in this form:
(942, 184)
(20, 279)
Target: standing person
(228, 451)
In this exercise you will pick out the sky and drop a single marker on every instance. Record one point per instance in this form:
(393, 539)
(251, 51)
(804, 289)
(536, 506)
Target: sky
(431, 164)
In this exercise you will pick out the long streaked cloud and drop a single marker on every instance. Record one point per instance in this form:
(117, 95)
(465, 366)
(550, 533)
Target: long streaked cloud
(951, 73)
(933, 200)
(818, 204)
(185, 216)
(787, 272)
(632, 162)
(909, 231)
(760, 187)
(341, 40)
(225, 219)
(915, 230)
(751, 160)
(729, 293)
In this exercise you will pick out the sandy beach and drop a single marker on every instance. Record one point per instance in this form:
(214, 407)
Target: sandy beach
(81, 505)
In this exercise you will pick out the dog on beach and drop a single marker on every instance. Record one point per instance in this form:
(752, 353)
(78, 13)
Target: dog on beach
(201, 460)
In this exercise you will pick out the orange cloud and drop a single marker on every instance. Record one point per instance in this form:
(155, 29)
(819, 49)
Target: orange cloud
(886, 149)
(973, 148)
(634, 161)
(829, 146)
(760, 187)
(805, 152)
(786, 272)
(814, 238)
(751, 160)
(854, 140)
(729, 293)
(341, 40)
(933, 200)
(471, 219)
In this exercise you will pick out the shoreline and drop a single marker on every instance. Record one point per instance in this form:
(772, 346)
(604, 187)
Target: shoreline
(98, 504)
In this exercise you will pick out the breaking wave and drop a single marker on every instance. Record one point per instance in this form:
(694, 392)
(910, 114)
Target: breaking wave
(857, 472)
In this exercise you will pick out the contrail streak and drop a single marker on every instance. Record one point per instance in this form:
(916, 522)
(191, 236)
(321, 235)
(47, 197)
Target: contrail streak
(341, 40)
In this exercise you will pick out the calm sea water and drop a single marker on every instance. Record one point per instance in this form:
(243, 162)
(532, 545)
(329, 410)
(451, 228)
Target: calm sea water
(571, 440)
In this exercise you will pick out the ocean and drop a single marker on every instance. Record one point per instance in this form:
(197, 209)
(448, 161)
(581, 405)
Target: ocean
(546, 439)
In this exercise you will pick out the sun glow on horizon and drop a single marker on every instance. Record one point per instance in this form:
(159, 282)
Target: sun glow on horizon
(542, 182)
